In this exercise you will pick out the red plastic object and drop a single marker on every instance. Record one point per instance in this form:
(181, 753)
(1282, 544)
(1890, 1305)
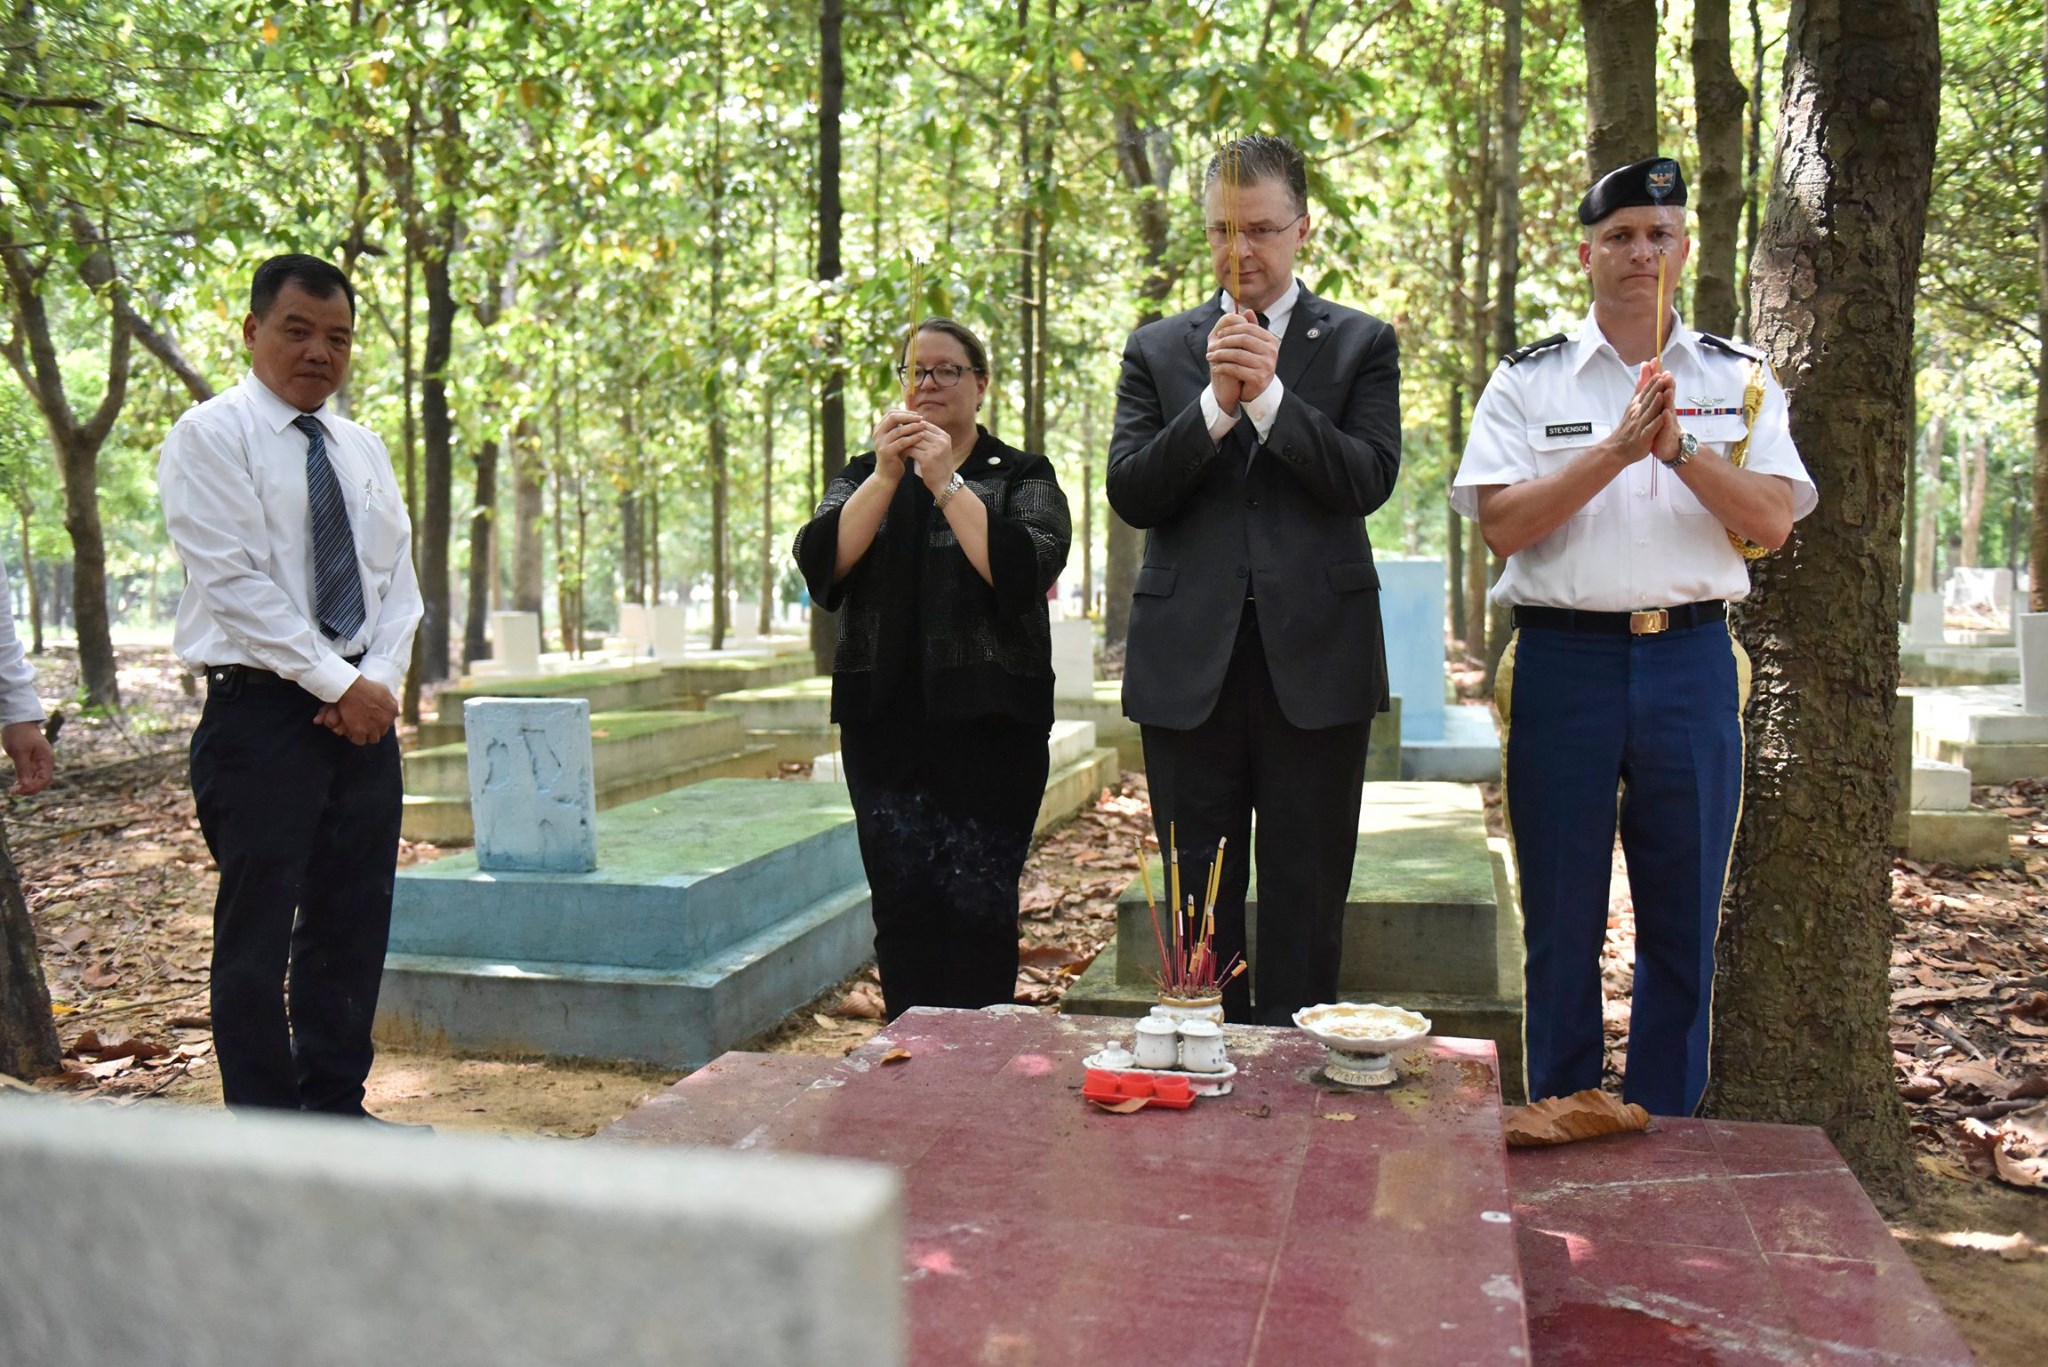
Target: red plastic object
(1173, 1093)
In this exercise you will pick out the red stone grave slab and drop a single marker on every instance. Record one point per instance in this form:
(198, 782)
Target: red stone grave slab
(1289, 1223)
(1715, 1242)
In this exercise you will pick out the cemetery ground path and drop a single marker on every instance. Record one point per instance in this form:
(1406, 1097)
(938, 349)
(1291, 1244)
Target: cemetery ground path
(120, 886)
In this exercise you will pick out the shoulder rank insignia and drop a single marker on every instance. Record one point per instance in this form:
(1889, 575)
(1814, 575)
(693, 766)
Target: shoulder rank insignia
(1521, 354)
(1742, 349)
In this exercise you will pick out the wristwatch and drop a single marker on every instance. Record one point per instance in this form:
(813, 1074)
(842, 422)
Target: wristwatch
(1688, 447)
(953, 486)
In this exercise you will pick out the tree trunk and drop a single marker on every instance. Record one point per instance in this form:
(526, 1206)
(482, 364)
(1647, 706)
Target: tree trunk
(832, 399)
(1717, 196)
(1752, 190)
(529, 509)
(721, 480)
(1801, 1017)
(483, 554)
(632, 546)
(1621, 82)
(28, 1036)
(1927, 539)
(2037, 532)
(29, 585)
(437, 443)
(1148, 175)
(764, 611)
(1507, 184)
(1976, 462)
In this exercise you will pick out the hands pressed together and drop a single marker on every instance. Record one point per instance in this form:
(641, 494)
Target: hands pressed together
(362, 715)
(1242, 356)
(1649, 425)
(907, 440)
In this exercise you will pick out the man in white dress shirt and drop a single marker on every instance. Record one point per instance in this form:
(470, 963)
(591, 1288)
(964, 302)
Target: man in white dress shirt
(299, 609)
(21, 712)
(1617, 481)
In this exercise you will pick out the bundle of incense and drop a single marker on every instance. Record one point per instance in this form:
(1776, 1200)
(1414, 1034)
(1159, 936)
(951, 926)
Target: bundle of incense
(1660, 310)
(1189, 967)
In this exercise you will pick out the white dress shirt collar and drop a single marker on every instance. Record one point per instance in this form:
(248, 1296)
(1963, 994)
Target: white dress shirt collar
(1276, 316)
(1677, 337)
(275, 412)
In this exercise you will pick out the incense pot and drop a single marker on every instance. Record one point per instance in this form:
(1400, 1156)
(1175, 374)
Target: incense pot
(1178, 1009)
(1362, 1039)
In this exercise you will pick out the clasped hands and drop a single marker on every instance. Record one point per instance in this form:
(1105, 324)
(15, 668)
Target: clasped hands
(1649, 425)
(1242, 356)
(362, 715)
(904, 438)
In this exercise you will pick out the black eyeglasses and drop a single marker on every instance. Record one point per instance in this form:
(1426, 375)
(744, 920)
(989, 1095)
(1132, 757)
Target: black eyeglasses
(944, 376)
(1219, 233)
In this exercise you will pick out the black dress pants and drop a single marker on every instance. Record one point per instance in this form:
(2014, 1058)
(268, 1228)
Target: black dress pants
(304, 826)
(944, 810)
(1305, 786)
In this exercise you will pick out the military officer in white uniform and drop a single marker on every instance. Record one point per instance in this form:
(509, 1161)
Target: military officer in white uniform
(1626, 488)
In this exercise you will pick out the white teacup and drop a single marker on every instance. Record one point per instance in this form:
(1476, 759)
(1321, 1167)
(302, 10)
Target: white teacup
(1158, 1047)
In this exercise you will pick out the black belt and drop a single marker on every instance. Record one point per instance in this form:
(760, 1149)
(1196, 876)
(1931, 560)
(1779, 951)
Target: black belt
(1647, 622)
(249, 676)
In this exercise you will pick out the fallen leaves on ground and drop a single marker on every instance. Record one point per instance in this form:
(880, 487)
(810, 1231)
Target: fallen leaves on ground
(1568, 1119)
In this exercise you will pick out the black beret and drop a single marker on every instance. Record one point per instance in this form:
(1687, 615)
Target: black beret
(1655, 181)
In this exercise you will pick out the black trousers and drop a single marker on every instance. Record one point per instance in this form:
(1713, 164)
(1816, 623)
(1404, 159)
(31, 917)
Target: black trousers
(304, 826)
(1305, 786)
(944, 810)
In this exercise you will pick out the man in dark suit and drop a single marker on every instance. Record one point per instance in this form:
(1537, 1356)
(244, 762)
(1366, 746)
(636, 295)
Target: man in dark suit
(1253, 435)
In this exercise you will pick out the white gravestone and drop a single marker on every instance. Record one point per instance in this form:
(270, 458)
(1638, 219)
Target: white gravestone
(172, 1234)
(2033, 642)
(1073, 660)
(1923, 627)
(515, 642)
(532, 784)
(666, 625)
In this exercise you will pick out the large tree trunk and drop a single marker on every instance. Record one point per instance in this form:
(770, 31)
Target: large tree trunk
(1801, 1017)
(721, 478)
(483, 554)
(1148, 175)
(1718, 196)
(1621, 82)
(764, 611)
(2037, 538)
(832, 399)
(529, 511)
(28, 1036)
(30, 586)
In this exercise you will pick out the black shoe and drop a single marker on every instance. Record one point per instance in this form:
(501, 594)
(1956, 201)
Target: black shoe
(363, 1117)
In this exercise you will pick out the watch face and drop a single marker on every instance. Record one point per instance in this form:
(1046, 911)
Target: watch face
(1688, 443)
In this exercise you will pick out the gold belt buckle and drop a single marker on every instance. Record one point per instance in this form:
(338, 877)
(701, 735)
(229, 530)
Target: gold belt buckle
(1649, 622)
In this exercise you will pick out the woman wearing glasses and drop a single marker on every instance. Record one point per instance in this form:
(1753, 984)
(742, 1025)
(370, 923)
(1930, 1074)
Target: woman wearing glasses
(937, 549)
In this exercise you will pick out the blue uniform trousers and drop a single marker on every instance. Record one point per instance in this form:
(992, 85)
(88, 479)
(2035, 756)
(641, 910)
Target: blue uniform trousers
(1646, 730)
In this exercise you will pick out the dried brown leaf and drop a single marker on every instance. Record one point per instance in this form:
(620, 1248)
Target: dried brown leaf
(1124, 1107)
(1952, 992)
(894, 1056)
(1566, 1119)
(1339, 1115)
(863, 1003)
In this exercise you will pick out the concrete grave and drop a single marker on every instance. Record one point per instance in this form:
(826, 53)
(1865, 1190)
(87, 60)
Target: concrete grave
(1077, 772)
(533, 791)
(1933, 821)
(1982, 727)
(1924, 624)
(515, 642)
(1412, 608)
(170, 1235)
(1073, 660)
(713, 911)
(2032, 628)
(1431, 922)
(1985, 590)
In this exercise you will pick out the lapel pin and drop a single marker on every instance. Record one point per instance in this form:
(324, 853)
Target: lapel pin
(1314, 333)
(995, 460)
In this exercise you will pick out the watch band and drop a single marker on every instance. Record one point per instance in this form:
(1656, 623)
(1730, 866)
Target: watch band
(953, 486)
(1688, 446)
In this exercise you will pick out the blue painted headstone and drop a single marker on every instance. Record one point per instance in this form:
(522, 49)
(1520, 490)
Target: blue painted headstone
(1412, 620)
(532, 784)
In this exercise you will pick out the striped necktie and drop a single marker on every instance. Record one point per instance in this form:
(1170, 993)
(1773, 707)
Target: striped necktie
(337, 580)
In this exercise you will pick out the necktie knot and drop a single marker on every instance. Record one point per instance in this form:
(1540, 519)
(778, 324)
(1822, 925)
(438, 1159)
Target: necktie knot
(1264, 321)
(310, 425)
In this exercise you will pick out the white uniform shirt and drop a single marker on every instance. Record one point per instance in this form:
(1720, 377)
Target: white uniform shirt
(1645, 540)
(232, 477)
(18, 700)
(1266, 407)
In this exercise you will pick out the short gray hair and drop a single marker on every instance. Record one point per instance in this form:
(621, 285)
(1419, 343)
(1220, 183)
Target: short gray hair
(1262, 156)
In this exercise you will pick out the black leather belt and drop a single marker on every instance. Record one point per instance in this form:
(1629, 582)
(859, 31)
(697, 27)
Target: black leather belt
(249, 676)
(1646, 622)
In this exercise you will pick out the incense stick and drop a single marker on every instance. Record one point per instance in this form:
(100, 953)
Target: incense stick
(1660, 310)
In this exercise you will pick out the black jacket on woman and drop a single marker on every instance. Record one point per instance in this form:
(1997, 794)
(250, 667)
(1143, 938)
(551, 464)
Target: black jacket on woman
(920, 631)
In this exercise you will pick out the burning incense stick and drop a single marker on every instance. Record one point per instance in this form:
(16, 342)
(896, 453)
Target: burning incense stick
(1660, 309)
(1232, 162)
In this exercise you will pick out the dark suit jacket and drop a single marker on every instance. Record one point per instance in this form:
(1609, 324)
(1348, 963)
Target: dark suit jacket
(1288, 526)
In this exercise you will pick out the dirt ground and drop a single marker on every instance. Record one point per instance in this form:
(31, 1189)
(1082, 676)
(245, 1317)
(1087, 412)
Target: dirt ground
(120, 885)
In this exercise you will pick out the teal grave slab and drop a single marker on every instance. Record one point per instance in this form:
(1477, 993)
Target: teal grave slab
(1440, 741)
(713, 911)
